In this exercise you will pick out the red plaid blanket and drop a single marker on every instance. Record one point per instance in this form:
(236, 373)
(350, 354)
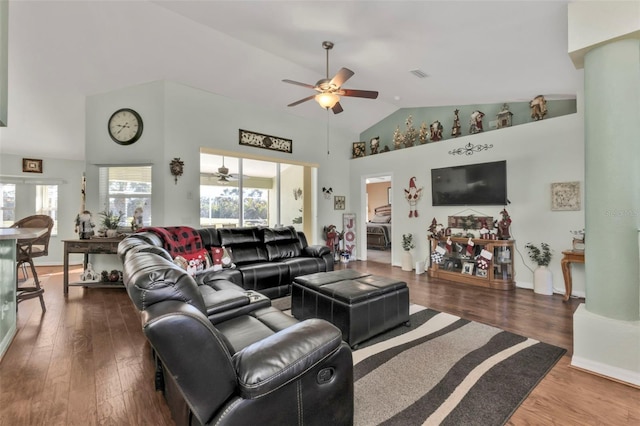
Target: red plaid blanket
(177, 240)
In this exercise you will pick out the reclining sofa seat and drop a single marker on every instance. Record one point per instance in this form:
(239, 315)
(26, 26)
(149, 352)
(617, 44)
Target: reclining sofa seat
(260, 367)
(266, 259)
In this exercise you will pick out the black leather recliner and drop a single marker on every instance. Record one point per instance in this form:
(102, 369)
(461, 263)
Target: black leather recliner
(255, 366)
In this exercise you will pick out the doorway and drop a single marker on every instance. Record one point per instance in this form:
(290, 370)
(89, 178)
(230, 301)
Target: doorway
(379, 202)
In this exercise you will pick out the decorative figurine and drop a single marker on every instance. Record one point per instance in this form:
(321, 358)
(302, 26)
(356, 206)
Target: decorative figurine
(398, 138)
(412, 195)
(436, 131)
(455, 130)
(136, 222)
(503, 225)
(375, 144)
(333, 237)
(423, 136)
(89, 274)
(476, 122)
(538, 107)
(411, 134)
(504, 117)
(84, 225)
(435, 229)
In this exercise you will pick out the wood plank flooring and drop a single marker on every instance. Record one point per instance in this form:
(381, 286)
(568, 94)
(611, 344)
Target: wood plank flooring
(86, 361)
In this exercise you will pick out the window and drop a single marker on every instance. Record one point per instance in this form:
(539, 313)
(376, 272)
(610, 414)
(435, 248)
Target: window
(271, 192)
(125, 188)
(47, 203)
(8, 204)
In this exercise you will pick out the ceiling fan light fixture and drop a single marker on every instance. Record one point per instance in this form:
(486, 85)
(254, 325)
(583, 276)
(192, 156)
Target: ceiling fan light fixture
(327, 100)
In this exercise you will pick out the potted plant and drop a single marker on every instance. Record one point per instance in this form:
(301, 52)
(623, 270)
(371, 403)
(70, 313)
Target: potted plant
(407, 259)
(542, 278)
(110, 222)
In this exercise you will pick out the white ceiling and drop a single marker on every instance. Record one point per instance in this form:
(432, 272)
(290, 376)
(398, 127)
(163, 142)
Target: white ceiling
(474, 52)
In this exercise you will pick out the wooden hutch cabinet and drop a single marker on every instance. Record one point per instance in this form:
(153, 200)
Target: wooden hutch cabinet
(459, 266)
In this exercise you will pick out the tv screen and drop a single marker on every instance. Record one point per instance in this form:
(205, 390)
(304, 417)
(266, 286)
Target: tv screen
(483, 184)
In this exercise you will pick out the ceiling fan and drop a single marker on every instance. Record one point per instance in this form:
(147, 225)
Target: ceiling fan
(223, 174)
(330, 90)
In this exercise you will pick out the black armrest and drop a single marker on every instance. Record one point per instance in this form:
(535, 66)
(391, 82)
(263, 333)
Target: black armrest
(316, 251)
(282, 357)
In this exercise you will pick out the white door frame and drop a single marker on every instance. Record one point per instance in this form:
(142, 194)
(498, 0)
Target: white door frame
(362, 226)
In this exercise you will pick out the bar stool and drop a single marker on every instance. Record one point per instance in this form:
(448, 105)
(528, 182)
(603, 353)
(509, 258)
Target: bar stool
(27, 249)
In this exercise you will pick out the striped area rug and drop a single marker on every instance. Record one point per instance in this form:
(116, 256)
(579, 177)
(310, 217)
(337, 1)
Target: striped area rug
(444, 370)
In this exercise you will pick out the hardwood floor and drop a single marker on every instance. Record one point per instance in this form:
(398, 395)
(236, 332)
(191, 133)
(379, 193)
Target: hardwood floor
(86, 361)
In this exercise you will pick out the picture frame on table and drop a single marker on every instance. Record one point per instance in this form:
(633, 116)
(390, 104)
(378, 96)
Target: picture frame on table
(481, 273)
(467, 268)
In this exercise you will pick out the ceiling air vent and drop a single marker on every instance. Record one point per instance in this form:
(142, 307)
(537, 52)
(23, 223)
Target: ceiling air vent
(419, 73)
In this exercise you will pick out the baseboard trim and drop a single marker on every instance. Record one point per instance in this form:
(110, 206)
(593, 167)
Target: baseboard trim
(626, 377)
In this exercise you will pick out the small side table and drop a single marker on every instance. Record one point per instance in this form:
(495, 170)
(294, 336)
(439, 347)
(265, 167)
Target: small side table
(87, 247)
(569, 256)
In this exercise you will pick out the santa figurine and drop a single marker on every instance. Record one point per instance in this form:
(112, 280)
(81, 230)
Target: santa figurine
(413, 195)
(84, 225)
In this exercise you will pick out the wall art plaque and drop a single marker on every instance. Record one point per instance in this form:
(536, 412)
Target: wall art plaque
(259, 140)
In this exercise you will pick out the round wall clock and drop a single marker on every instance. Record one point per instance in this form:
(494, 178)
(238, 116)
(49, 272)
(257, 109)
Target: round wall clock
(125, 126)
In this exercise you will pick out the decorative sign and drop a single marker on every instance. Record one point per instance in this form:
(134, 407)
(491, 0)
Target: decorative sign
(565, 196)
(470, 222)
(470, 149)
(265, 141)
(349, 229)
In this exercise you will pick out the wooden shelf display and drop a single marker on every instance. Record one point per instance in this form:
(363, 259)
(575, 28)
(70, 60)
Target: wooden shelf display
(460, 264)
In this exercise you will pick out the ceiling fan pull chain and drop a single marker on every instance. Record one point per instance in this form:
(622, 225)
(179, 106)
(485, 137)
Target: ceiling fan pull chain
(328, 150)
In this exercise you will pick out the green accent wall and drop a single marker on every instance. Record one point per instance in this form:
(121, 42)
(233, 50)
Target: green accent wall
(445, 114)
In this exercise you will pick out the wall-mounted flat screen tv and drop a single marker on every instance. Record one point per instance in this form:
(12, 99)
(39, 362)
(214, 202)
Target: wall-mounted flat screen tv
(483, 184)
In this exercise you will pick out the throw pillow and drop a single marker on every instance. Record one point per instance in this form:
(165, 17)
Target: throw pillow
(221, 258)
(193, 262)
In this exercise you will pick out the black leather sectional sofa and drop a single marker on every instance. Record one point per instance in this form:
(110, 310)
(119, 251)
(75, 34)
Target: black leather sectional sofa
(267, 259)
(225, 355)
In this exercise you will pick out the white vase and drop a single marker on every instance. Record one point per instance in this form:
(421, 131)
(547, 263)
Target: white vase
(542, 281)
(111, 233)
(407, 261)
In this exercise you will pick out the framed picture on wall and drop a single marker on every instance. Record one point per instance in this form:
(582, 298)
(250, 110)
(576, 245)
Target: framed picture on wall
(30, 165)
(565, 196)
(339, 202)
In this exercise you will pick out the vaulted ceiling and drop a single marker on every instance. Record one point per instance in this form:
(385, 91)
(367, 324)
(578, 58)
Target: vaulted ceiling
(473, 52)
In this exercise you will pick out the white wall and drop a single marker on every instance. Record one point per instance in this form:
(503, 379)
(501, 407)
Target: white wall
(68, 173)
(178, 120)
(537, 154)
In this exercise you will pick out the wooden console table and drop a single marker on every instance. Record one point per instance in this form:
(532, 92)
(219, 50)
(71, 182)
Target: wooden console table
(569, 256)
(87, 247)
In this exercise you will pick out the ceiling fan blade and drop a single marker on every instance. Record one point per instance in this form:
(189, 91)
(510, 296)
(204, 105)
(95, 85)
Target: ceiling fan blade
(337, 108)
(369, 94)
(343, 75)
(299, 84)
(308, 98)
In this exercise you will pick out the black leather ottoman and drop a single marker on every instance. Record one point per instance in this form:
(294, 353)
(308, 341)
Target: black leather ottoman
(359, 304)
